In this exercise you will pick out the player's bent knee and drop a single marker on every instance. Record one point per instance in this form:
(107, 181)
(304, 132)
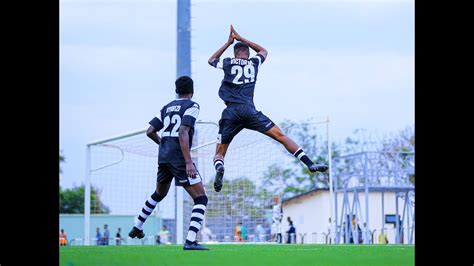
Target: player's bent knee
(158, 196)
(201, 200)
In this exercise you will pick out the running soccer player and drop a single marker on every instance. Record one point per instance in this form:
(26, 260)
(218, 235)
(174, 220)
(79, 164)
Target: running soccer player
(237, 90)
(174, 160)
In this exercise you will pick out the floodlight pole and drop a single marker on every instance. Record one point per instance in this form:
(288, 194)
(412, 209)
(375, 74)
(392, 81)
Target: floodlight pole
(331, 192)
(87, 198)
(183, 68)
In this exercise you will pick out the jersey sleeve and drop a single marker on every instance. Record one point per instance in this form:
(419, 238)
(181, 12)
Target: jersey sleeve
(258, 59)
(156, 122)
(190, 115)
(218, 63)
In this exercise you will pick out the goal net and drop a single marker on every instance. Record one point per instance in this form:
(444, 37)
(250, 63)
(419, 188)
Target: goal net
(121, 174)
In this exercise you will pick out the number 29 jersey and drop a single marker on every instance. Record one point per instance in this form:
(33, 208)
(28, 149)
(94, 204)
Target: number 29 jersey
(239, 80)
(171, 117)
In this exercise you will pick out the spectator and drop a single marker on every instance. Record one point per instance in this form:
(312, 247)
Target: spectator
(238, 233)
(260, 232)
(277, 215)
(164, 235)
(291, 232)
(118, 237)
(243, 229)
(106, 236)
(62, 238)
(328, 237)
(356, 231)
(98, 236)
(206, 234)
(383, 239)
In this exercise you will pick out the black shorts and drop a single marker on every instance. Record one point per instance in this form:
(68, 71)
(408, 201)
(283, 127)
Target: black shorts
(166, 172)
(236, 117)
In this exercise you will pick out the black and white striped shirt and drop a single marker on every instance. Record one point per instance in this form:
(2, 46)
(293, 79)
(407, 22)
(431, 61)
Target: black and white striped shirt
(171, 117)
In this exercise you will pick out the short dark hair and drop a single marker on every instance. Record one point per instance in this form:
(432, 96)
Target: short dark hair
(240, 46)
(184, 85)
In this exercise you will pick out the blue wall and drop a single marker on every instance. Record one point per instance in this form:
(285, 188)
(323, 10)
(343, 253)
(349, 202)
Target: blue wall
(73, 225)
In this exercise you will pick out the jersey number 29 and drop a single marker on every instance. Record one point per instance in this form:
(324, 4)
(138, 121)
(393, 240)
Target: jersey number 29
(248, 71)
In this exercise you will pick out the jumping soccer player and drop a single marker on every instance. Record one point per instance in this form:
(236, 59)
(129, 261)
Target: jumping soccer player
(237, 90)
(174, 160)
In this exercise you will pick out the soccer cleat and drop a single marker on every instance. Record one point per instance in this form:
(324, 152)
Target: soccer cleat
(218, 178)
(194, 246)
(318, 168)
(135, 232)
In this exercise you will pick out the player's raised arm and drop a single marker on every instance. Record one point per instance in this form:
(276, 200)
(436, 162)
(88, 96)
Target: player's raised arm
(257, 48)
(215, 57)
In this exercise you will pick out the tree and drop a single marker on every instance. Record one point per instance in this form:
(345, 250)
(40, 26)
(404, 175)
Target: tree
(403, 144)
(72, 201)
(62, 159)
(290, 180)
(240, 196)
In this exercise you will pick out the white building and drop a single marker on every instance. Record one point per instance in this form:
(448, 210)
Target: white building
(310, 214)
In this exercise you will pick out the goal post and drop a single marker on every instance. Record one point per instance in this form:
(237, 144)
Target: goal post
(121, 175)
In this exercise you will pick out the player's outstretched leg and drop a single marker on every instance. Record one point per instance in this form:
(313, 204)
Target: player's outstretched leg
(293, 148)
(150, 204)
(219, 165)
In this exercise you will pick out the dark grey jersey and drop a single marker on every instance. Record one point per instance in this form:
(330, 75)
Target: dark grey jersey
(171, 117)
(239, 80)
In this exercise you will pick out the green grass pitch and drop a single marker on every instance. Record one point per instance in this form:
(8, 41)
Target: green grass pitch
(235, 254)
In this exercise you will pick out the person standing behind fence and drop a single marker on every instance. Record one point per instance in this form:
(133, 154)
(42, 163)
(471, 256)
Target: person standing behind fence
(106, 236)
(243, 229)
(328, 236)
(206, 234)
(277, 215)
(62, 238)
(238, 232)
(383, 239)
(291, 232)
(260, 232)
(165, 235)
(98, 236)
(118, 237)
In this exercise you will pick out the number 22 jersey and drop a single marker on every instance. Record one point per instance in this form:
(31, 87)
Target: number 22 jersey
(171, 117)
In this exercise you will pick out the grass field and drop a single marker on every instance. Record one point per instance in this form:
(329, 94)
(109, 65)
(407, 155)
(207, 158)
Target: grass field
(233, 255)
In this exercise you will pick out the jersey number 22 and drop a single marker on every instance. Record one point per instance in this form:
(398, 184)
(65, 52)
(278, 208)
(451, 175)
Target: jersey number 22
(176, 120)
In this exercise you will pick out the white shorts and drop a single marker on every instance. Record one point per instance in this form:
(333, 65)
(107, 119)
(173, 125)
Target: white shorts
(276, 228)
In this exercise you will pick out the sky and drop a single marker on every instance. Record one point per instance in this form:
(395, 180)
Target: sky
(351, 60)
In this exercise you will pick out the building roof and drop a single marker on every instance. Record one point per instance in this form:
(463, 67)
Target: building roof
(302, 194)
